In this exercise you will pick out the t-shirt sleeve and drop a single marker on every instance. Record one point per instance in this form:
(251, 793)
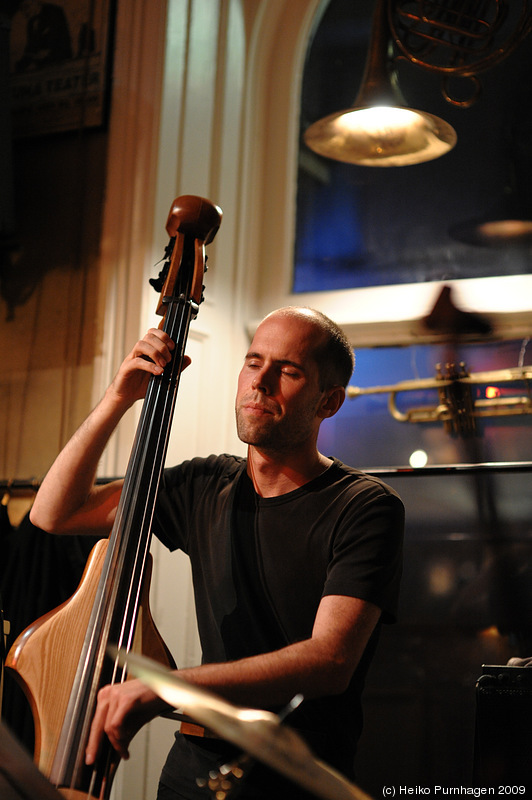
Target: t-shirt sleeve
(367, 552)
(191, 495)
(171, 509)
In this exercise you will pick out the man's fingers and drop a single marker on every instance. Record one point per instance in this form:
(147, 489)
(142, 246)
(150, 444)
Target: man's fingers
(120, 744)
(152, 348)
(156, 353)
(96, 733)
(108, 720)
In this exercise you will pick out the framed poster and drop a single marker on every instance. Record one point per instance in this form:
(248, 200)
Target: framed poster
(59, 65)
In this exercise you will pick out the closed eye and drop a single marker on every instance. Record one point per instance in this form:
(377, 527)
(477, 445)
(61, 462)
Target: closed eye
(291, 373)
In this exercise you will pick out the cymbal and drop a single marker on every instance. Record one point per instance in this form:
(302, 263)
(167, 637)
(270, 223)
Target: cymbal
(259, 733)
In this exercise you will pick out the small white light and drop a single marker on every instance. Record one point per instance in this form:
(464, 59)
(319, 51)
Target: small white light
(418, 459)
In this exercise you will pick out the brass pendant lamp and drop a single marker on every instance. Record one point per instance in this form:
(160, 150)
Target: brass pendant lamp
(506, 225)
(380, 130)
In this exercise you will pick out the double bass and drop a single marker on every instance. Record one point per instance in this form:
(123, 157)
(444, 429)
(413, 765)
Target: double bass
(62, 660)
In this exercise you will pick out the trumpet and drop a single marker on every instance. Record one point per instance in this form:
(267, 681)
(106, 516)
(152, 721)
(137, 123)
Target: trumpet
(457, 408)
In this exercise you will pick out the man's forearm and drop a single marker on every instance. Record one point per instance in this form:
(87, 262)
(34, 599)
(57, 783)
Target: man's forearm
(269, 680)
(315, 667)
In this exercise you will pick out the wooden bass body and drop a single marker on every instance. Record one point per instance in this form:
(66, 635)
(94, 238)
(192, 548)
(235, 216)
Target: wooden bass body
(56, 639)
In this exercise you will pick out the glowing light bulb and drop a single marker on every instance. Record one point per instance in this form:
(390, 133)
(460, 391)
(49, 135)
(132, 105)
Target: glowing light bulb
(418, 459)
(381, 136)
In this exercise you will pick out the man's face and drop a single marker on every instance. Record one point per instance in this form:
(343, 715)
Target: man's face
(278, 396)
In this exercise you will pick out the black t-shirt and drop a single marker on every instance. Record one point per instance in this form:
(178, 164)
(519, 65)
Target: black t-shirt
(261, 566)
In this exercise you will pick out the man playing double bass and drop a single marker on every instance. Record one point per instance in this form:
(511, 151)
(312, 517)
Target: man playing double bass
(296, 558)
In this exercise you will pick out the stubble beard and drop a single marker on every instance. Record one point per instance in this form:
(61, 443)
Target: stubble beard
(261, 435)
(270, 435)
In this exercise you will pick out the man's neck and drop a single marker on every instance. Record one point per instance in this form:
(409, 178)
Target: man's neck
(274, 474)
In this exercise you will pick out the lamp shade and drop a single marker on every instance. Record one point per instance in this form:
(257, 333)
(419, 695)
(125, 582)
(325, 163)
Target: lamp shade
(381, 136)
(380, 130)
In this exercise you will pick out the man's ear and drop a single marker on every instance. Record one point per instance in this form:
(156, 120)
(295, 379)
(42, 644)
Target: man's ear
(332, 401)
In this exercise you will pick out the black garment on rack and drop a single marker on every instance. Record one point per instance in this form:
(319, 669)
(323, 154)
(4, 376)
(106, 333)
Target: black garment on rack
(38, 572)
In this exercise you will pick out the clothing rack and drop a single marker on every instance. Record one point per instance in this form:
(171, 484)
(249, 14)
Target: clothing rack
(23, 486)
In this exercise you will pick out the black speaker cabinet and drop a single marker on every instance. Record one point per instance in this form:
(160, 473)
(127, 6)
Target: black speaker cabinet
(503, 735)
